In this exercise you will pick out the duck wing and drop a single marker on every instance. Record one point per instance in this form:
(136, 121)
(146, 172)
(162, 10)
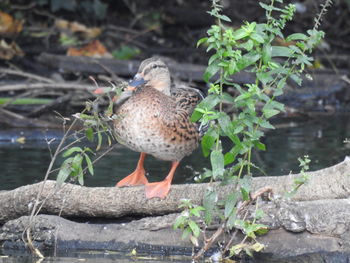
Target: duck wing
(186, 98)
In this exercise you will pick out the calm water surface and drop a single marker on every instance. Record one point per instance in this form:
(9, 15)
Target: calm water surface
(321, 138)
(25, 161)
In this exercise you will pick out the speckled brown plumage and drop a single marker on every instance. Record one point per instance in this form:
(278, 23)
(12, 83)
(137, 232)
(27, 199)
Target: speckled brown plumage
(154, 120)
(154, 123)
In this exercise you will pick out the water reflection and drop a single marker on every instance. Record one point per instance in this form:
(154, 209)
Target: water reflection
(15, 256)
(321, 138)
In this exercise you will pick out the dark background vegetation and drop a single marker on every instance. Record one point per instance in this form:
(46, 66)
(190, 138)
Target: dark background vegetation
(169, 28)
(134, 30)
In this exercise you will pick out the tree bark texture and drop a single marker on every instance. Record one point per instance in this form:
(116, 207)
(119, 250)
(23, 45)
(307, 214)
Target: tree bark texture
(111, 202)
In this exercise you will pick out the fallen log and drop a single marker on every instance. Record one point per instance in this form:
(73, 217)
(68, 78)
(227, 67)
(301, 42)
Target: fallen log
(296, 228)
(127, 68)
(110, 202)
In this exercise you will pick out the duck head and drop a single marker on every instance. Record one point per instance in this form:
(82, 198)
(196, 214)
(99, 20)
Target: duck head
(152, 73)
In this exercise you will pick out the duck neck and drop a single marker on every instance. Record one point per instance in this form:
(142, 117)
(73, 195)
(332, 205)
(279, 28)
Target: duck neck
(162, 86)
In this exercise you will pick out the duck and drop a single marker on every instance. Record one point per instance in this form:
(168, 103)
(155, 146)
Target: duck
(155, 120)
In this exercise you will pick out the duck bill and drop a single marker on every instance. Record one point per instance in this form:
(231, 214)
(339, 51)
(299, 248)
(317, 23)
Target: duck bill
(135, 82)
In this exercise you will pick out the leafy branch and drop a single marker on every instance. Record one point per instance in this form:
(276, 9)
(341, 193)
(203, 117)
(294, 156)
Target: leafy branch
(250, 48)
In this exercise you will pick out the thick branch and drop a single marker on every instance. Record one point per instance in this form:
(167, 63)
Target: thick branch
(127, 68)
(110, 202)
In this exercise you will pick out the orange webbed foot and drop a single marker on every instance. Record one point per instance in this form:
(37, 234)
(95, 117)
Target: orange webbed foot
(161, 189)
(157, 189)
(138, 177)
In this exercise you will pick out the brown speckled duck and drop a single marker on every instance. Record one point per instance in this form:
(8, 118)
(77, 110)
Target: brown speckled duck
(155, 120)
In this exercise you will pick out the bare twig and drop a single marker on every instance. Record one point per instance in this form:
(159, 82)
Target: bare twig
(26, 75)
(35, 209)
(47, 106)
(67, 86)
(346, 79)
(209, 242)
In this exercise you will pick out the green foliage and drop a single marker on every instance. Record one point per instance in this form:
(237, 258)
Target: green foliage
(302, 179)
(126, 52)
(249, 48)
(95, 128)
(186, 221)
(67, 40)
(73, 166)
(24, 101)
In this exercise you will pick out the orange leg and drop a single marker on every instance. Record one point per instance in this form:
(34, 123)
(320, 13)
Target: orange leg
(161, 189)
(137, 177)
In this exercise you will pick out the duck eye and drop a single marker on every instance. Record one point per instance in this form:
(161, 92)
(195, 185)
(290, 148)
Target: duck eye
(155, 66)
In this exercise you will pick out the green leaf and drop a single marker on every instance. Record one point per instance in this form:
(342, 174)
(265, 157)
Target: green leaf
(194, 227)
(81, 177)
(268, 113)
(89, 133)
(257, 37)
(195, 211)
(77, 162)
(239, 34)
(229, 158)
(231, 219)
(179, 222)
(279, 51)
(89, 164)
(228, 98)
(225, 18)
(267, 53)
(248, 59)
(296, 78)
(209, 202)
(213, 58)
(277, 105)
(65, 171)
(296, 36)
(207, 104)
(269, 7)
(211, 70)
(208, 141)
(201, 41)
(243, 96)
(72, 150)
(217, 163)
(264, 77)
(248, 45)
(225, 123)
(265, 124)
(245, 187)
(99, 140)
(260, 145)
(230, 204)
(280, 85)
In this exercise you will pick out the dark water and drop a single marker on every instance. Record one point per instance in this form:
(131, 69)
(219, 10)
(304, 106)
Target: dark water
(12, 256)
(321, 138)
(26, 163)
